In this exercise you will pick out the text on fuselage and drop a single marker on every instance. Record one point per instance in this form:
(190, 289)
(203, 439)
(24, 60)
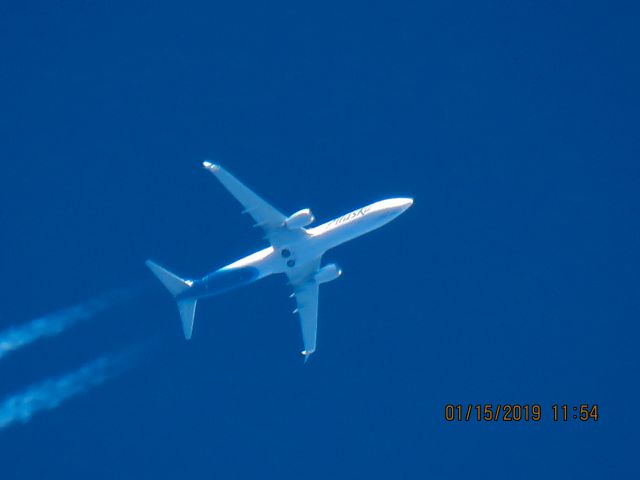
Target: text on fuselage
(348, 217)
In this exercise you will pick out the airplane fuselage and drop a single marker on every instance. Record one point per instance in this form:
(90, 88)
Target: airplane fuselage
(312, 245)
(294, 250)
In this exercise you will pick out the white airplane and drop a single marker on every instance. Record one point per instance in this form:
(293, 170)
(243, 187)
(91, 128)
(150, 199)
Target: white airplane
(295, 251)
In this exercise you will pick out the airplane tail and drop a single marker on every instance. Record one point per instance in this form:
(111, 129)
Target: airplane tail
(187, 310)
(177, 286)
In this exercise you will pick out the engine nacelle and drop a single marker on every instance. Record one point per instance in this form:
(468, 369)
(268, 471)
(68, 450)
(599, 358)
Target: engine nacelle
(300, 219)
(328, 273)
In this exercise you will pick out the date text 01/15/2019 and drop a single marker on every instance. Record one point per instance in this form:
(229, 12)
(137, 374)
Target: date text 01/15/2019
(514, 412)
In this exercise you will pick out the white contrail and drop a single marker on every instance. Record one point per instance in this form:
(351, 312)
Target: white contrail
(50, 393)
(55, 323)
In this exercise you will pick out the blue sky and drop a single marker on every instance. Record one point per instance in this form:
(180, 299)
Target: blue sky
(512, 279)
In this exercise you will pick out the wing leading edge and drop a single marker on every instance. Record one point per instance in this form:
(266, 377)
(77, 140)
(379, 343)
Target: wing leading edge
(267, 217)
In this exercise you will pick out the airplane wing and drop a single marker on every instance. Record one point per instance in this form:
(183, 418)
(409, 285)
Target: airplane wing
(266, 216)
(306, 291)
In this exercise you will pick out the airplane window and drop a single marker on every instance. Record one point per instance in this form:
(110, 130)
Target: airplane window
(291, 263)
(286, 252)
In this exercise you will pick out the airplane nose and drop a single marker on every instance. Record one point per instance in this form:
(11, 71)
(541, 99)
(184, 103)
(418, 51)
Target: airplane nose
(394, 206)
(405, 203)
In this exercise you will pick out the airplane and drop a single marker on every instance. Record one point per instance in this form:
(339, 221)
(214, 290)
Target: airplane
(294, 250)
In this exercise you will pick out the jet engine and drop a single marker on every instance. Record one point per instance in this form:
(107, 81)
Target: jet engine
(328, 273)
(300, 219)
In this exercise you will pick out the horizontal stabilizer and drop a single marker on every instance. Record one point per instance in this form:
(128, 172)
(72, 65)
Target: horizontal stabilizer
(171, 281)
(177, 286)
(187, 314)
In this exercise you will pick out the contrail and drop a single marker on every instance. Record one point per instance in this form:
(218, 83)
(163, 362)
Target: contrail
(50, 393)
(55, 323)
